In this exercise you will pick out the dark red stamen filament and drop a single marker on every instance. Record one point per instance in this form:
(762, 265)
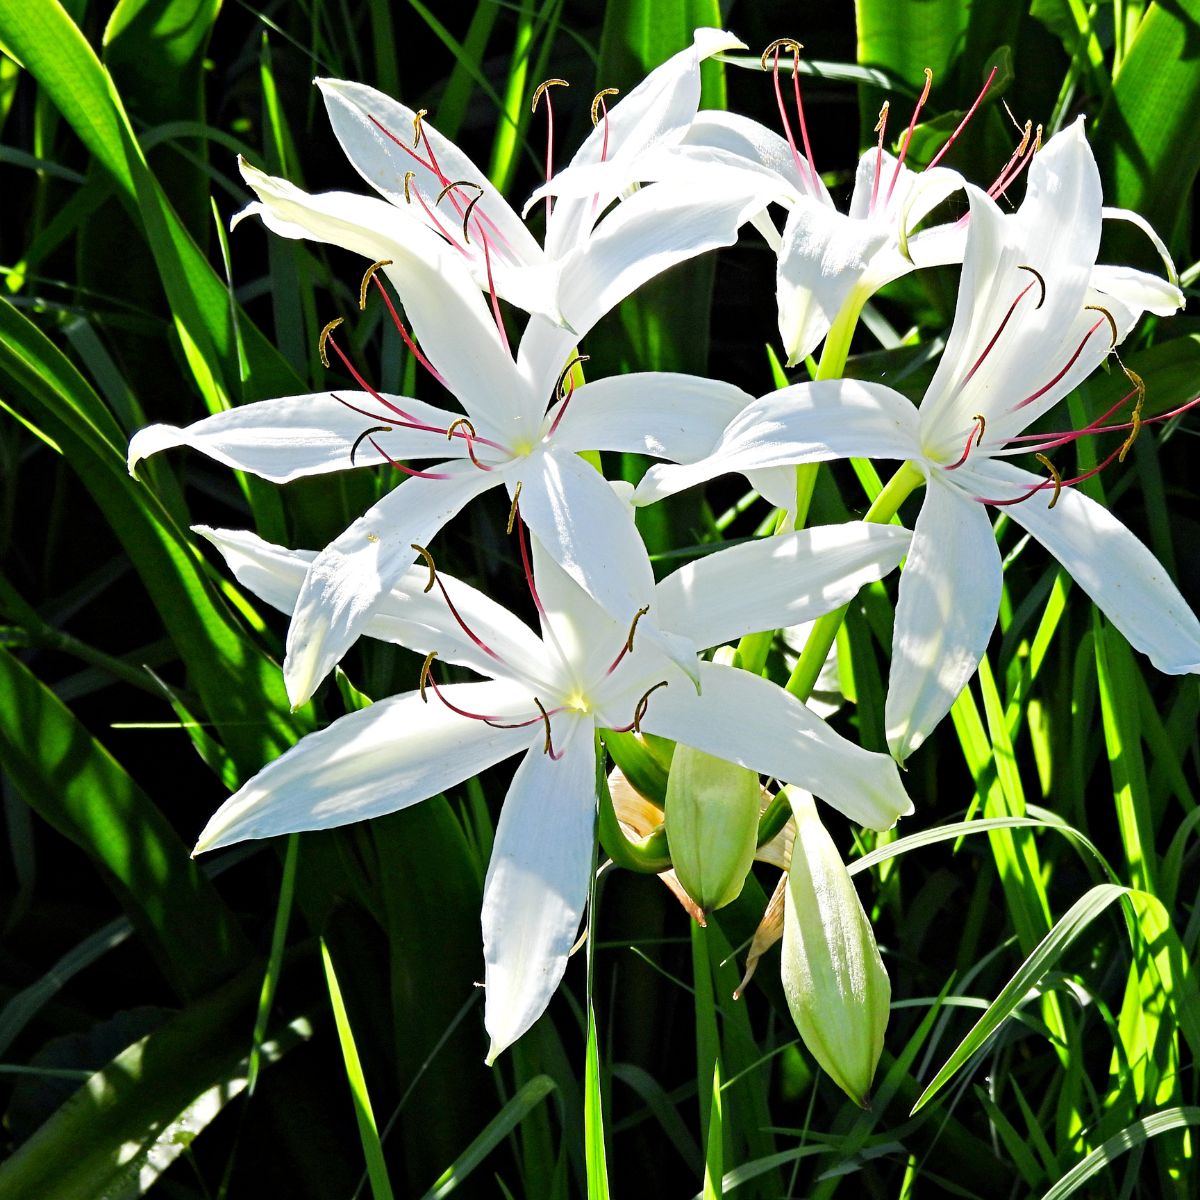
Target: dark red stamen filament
(787, 125)
(1012, 308)
(937, 158)
(413, 349)
(908, 135)
(1069, 364)
(407, 470)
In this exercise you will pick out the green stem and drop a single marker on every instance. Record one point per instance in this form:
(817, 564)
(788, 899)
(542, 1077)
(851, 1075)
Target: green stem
(816, 649)
(840, 335)
(648, 857)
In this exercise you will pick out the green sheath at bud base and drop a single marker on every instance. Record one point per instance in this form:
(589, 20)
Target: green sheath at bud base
(712, 825)
(835, 982)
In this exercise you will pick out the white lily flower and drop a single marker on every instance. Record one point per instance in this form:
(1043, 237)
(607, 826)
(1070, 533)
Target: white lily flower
(426, 180)
(505, 435)
(828, 261)
(1029, 327)
(545, 698)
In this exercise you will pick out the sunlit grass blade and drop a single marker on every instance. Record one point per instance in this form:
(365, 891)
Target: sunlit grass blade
(498, 1128)
(132, 1119)
(368, 1131)
(714, 1148)
(1130, 1137)
(73, 782)
(593, 1117)
(1065, 930)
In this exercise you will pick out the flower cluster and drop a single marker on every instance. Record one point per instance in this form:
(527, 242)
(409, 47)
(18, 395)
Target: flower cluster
(617, 655)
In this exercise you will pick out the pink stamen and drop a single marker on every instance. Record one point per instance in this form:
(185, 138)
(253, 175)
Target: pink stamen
(937, 158)
(407, 470)
(1063, 439)
(478, 641)
(438, 225)
(527, 567)
(975, 436)
(996, 336)
(1046, 484)
(908, 135)
(362, 383)
(473, 716)
(1070, 363)
(787, 125)
(562, 412)
(404, 335)
(882, 129)
(808, 154)
(496, 316)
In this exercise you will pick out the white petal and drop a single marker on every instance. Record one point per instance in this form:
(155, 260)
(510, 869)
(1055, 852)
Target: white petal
(356, 113)
(408, 615)
(776, 581)
(655, 112)
(571, 509)
(385, 757)
(1140, 290)
(349, 578)
(659, 226)
(1125, 214)
(448, 314)
(672, 416)
(537, 881)
(823, 258)
(748, 720)
(808, 422)
(945, 613)
(1128, 584)
(581, 523)
(295, 436)
(1052, 239)
(759, 145)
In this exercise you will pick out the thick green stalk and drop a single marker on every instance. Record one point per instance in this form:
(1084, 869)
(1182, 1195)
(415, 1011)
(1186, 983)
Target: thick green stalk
(825, 630)
(816, 649)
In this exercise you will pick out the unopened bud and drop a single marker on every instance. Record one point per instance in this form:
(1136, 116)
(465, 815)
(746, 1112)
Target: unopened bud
(712, 825)
(835, 982)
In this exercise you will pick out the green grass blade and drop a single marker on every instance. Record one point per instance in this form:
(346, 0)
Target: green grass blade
(498, 1128)
(381, 1187)
(72, 782)
(714, 1149)
(593, 1117)
(1121, 1143)
(132, 1119)
(1147, 142)
(1081, 914)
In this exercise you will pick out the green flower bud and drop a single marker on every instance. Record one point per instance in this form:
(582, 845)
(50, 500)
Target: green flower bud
(712, 825)
(835, 982)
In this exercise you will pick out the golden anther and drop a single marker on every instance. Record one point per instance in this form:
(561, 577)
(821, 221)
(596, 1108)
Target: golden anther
(1041, 282)
(1053, 475)
(541, 88)
(1037, 140)
(643, 704)
(981, 420)
(372, 537)
(778, 46)
(562, 378)
(362, 437)
(425, 674)
(409, 176)
(366, 279)
(928, 85)
(881, 124)
(325, 337)
(512, 511)
(548, 746)
(453, 427)
(467, 215)
(421, 112)
(429, 563)
(1135, 418)
(456, 183)
(599, 99)
(1112, 321)
(1025, 139)
(637, 616)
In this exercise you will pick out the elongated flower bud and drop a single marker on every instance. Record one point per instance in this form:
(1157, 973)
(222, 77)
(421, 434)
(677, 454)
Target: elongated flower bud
(712, 825)
(835, 982)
